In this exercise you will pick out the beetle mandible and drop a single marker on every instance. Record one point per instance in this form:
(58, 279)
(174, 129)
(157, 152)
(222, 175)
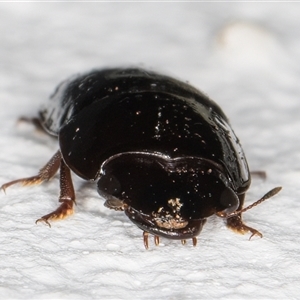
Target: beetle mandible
(159, 149)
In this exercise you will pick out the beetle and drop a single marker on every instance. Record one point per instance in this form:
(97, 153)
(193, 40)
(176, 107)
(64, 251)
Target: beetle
(160, 150)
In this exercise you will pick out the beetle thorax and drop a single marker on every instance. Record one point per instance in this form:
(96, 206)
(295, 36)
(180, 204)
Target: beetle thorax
(170, 197)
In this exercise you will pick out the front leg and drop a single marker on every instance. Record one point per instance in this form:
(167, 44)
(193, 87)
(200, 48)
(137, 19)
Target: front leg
(236, 224)
(66, 197)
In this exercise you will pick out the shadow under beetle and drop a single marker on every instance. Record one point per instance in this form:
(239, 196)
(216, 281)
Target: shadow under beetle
(159, 149)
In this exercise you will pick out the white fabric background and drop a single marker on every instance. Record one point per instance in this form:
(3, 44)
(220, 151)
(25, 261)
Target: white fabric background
(246, 56)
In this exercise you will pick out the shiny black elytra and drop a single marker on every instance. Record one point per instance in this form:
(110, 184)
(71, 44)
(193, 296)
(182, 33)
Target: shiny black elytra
(162, 152)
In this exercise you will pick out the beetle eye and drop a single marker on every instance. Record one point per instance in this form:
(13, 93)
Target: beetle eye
(229, 201)
(108, 185)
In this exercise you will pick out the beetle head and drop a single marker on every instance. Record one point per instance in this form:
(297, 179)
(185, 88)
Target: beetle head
(170, 197)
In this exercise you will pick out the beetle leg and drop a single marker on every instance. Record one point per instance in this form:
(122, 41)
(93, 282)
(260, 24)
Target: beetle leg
(45, 174)
(194, 241)
(261, 174)
(67, 197)
(145, 236)
(156, 240)
(35, 121)
(236, 224)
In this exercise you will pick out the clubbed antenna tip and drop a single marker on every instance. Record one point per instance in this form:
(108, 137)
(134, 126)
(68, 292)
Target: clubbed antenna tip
(268, 195)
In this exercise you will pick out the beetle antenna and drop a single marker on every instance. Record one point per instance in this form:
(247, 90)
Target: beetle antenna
(268, 195)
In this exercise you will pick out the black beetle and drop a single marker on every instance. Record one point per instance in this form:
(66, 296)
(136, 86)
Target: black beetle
(161, 150)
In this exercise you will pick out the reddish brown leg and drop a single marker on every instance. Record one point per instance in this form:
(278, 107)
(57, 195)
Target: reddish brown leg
(260, 174)
(66, 197)
(45, 174)
(145, 237)
(236, 224)
(35, 121)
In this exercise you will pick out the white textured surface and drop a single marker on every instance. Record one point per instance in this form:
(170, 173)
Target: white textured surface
(245, 56)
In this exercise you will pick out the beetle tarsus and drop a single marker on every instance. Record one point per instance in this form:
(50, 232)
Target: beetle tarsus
(24, 181)
(64, 210)
(42, 219)
(254, 232)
